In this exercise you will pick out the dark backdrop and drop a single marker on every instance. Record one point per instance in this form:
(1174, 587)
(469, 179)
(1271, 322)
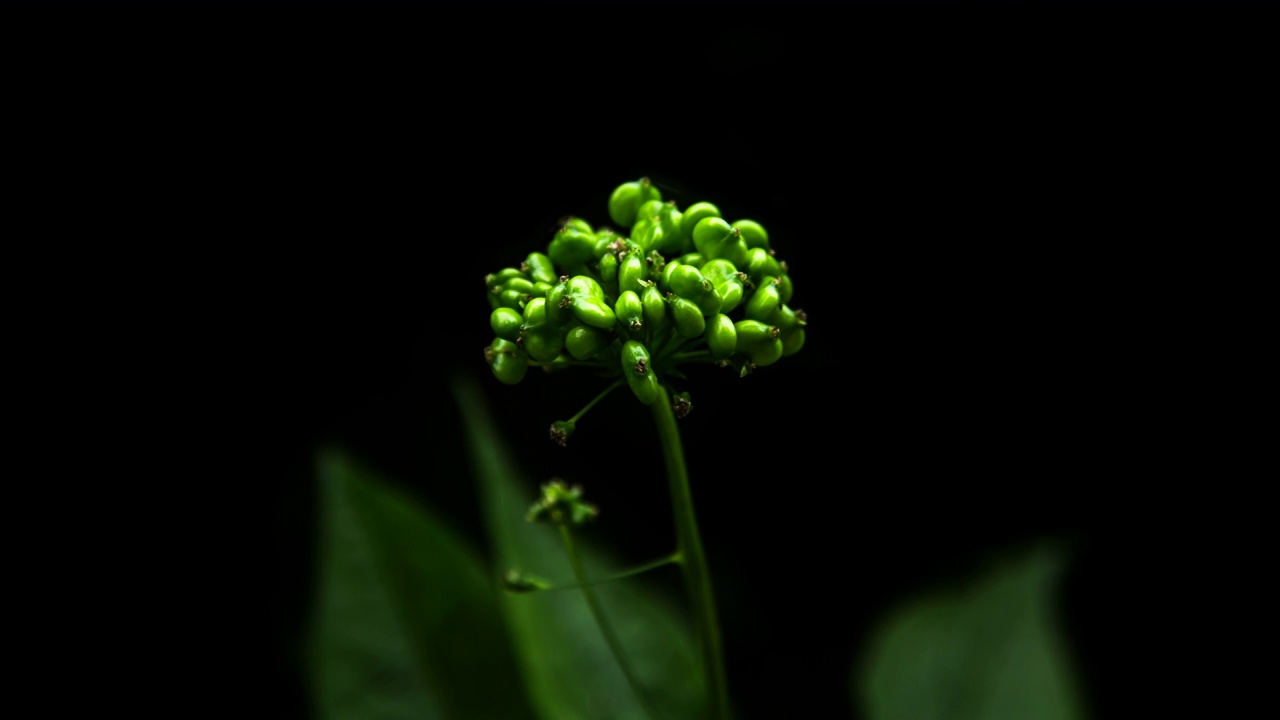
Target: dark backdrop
(963, 196)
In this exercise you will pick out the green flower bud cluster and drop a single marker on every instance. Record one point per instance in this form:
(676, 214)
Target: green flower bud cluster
(561, 504)
(670, 287)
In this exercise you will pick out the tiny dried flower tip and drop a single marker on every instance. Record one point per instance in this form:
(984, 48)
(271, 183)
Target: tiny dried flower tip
(682, 405)
(560, 432)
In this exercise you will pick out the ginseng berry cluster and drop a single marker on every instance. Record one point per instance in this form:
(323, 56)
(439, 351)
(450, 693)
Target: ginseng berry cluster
(678, 287)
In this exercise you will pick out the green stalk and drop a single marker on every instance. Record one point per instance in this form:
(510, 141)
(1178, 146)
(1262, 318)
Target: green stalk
(613, 386)
(692, 560)
(597, 612)
(632, 572)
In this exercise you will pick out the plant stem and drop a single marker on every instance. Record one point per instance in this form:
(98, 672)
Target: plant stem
(692, 560)
(694, 356)
(616, 384)
(597, 612)
(630, 572)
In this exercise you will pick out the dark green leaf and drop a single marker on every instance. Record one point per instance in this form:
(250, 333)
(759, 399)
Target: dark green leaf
(568, 669)
(407, 623)
(989, 651)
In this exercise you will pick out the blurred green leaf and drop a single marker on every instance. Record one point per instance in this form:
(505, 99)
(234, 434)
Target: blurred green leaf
(407, 623)
(991, 650)
(568, 669)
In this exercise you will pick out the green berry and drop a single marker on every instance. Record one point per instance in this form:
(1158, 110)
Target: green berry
(785, 318)
(709, 234)
(513, 299)
(506, 323)
(722, 337)
(585, 286)
(641, 228)
(693, 214)
(765, 300)
(688, 317)
(767, 354)
(503, 275)
(784, 287)
(631, 273)
(655, 307)
(758, 341)
(715, 238)
(609, 274)
(792, 340)
(627, 198)
(688, 282)
(695, 259)
(583, 341)
(578, 224)
(623, 204)
(593, 312)
(588, 302)
(654, 237)
(540, 268)
(542, 342)
(535, 311)
(523, 285)
(672, 239)
(629, 310)
(571, 248)
(753, 233)
(604, 241)
(761, 264)
(727, 281)
(506, 360)
(649, 210)
(558, 304)
(636, 369)
(667, 271)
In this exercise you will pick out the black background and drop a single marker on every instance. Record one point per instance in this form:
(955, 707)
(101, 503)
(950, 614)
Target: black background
(976, 203)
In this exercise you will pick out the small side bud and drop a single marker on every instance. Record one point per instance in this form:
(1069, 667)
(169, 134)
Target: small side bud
(561, 430)
(560, 503)
(518, 583)
(681, 405)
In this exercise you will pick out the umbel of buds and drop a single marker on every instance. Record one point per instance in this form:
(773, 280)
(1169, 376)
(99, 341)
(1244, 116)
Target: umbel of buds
(668, 287)
(562, 504)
